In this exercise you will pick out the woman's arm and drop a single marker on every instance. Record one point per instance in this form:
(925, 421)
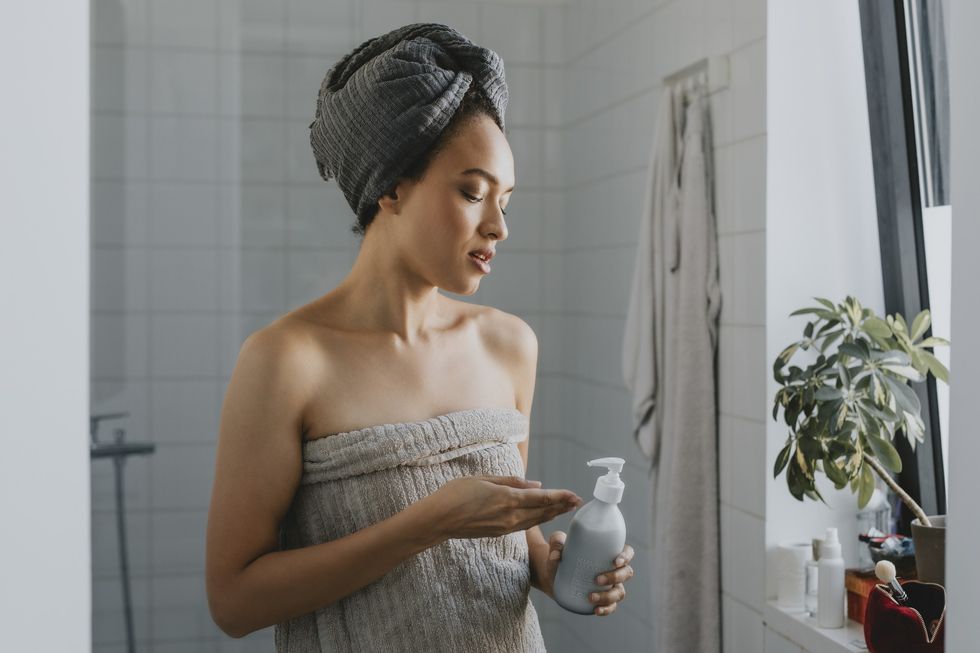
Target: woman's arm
(538, 550)
(524, 363)
(285, 584)
(250, 584)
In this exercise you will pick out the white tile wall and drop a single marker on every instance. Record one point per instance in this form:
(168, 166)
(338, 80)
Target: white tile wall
(206, 195)
(742, 627)
(743, 556)
(743, 473)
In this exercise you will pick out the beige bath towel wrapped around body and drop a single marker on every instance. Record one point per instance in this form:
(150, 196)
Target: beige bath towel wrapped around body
(464, 595)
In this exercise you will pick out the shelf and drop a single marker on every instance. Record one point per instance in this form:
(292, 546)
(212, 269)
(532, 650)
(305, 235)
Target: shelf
(795, 626)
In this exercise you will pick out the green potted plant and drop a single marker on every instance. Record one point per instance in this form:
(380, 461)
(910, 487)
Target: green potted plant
(845, 408)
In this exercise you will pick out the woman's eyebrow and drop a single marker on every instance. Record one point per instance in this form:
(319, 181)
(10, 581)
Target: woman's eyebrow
(488, 176)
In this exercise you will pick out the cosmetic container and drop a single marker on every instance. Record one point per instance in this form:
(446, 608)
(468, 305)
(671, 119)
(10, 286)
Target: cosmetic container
(596, 536)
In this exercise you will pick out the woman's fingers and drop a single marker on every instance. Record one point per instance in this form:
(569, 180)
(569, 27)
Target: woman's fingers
(619, 575)
(625, 556)
(607, 601)
(556, 543)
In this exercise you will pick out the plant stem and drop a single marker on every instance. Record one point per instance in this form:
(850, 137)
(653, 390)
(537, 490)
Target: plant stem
(886, 477)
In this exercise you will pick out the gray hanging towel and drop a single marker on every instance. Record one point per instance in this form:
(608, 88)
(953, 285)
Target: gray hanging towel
(669, 365)
(643, 350)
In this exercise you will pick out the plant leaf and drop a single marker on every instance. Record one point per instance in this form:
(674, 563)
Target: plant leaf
(936, 367)
(782, 459)
(814, 494)
(866, 485)
(831, 339)
(829, 324)
(826, 302)
(894, 356)
(900, 326)
(920, 324)
(794, 479)
(905, 370)
(877, 327)
(787, 353)
(841, 416)
(834, 473)
(853, 350)
(885, 452)
(903, 394)
(828, 393)
(882, 412)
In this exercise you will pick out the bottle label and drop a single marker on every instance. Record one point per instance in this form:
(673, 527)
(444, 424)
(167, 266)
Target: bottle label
(583, 578)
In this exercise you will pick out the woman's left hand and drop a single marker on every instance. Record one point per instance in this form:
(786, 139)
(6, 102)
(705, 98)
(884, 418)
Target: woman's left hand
(605, 601)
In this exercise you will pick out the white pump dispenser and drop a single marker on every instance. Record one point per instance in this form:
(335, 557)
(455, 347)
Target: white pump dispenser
(609, 488)
(596, 536)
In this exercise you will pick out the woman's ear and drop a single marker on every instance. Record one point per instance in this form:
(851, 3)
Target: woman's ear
(390, 200)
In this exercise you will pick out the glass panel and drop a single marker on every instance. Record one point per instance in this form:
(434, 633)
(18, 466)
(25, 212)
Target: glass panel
(930, 101)
(930, 97)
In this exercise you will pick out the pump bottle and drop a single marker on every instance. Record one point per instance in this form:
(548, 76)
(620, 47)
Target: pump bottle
(596, 536)
(830, 583)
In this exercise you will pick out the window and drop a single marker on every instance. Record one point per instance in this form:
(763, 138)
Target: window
(908, 110)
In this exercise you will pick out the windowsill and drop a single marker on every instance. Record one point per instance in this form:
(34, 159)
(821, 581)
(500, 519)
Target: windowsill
(800, 629)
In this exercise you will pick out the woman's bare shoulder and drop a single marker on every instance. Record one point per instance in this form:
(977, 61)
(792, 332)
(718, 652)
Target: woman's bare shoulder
(506, 334)
(283, 336)
(287, 346)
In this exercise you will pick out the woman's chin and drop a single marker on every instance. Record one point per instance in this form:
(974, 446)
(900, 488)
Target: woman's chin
(468, 287)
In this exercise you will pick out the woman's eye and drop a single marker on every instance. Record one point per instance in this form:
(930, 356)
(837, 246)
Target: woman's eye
(477, 199)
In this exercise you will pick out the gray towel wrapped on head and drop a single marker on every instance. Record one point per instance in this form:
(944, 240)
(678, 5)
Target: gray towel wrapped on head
(386, 101)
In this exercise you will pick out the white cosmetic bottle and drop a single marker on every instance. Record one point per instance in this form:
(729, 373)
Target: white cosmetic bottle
(830, 583)
(596, 536)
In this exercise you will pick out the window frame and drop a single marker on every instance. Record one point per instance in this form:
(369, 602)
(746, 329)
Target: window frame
(898, 198)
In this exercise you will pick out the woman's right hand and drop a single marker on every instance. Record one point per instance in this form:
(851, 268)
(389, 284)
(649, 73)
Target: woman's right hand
(489, 506)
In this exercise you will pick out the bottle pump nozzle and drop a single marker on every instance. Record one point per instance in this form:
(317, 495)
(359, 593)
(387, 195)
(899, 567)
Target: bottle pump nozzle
(609, 488)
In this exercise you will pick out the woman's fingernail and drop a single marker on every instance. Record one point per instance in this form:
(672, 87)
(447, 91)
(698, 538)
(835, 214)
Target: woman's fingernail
(554, 555)
(601, 580)
(619, 561)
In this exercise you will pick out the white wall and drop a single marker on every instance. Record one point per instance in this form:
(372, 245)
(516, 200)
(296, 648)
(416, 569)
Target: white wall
(963, 572)
(822, 231)
(44, 367)
(822, 235)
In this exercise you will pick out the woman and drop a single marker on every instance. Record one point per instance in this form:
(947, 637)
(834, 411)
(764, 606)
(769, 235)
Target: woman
(369, 491)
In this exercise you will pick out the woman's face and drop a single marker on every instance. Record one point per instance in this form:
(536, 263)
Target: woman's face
(456, 209)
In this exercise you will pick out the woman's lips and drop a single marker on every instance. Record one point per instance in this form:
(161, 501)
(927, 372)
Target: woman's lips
(483, 265)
